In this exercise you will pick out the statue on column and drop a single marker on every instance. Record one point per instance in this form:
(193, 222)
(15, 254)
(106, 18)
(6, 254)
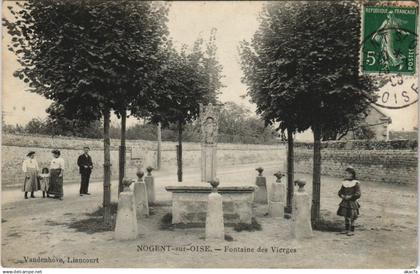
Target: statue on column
(209, 119)
(209, 130)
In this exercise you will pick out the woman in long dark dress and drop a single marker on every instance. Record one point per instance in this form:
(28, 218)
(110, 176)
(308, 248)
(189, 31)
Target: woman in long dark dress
(349, 207)
(56, 175)
(30, 169)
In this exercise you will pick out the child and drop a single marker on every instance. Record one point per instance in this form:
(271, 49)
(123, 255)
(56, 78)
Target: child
(349, 207)
(44, 181)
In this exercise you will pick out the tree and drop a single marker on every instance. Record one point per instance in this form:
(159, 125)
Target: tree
(147, 35)
(237, 125)
(302, 71)
(35, 126)
(355, 120)
(58, 123)
(363, 132)
(87, 56)
(190, 78)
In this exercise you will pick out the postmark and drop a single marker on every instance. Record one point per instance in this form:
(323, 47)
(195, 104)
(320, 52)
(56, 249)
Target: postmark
(389, 36)
(397, 91)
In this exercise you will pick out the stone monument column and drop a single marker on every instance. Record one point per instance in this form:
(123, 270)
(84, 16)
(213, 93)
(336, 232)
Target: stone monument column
(278, 197)
(126, 225)
(301, 214)
(209, 120)
(215, 227)
(260, 194)
(140, 196)
(150, 185)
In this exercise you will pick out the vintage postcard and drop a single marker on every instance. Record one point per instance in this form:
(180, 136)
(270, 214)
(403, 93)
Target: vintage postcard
(209, 134)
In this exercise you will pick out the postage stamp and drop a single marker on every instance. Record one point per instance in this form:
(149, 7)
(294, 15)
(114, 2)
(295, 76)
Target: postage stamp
(389, 39)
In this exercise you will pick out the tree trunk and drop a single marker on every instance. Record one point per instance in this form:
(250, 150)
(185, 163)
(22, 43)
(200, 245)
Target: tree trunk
(121, 174)
(290, 171)
(159, 145)
(179, 151)
(107, 170)
(316, 179)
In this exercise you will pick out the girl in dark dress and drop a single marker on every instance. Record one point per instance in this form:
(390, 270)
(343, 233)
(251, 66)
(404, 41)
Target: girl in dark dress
(349, 207)
(44, 181)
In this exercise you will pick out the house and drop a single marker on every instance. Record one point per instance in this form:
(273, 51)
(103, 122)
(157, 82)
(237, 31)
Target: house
(374, 127)
(378, 122)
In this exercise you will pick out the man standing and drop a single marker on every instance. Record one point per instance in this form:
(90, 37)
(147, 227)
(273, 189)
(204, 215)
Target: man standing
(85, 167)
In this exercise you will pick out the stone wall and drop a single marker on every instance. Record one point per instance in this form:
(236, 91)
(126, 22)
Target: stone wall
(140, 153)
(395, 166)
(389, 162)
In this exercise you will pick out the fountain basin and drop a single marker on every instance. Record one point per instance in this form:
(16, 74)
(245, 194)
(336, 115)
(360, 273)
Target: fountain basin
(189, 204)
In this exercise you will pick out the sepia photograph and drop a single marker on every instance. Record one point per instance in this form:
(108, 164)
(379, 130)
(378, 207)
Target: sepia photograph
(209, 134)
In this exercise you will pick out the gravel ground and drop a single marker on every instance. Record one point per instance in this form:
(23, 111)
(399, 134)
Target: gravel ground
(386, 232)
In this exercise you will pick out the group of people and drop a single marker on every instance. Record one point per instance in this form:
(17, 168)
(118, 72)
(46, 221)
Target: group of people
(50, 180)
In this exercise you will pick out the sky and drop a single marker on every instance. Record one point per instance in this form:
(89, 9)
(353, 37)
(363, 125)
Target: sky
(234, 21)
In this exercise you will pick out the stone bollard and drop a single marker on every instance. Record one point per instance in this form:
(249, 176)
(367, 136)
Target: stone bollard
(301, 214)
(140, 196)
(150, 186)
(126, 224)
(215, 227)
(260, 194)
(277, 197)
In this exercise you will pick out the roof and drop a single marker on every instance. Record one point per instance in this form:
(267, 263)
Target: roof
(384, 116)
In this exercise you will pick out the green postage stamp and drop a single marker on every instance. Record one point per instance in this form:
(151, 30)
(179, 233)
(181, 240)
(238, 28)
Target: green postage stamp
(389, 42)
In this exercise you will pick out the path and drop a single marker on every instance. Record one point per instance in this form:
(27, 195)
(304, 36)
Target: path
(386, 235)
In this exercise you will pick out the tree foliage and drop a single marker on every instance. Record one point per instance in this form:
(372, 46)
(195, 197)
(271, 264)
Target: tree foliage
(59, 128)
(189, 77)
(236, 125)
(302, 71)
(301, 66)
(89, 55)
(58, 123)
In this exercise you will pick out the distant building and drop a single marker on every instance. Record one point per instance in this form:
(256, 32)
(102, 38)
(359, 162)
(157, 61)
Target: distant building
(404, 135)
(374, 127)
(378, 122)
